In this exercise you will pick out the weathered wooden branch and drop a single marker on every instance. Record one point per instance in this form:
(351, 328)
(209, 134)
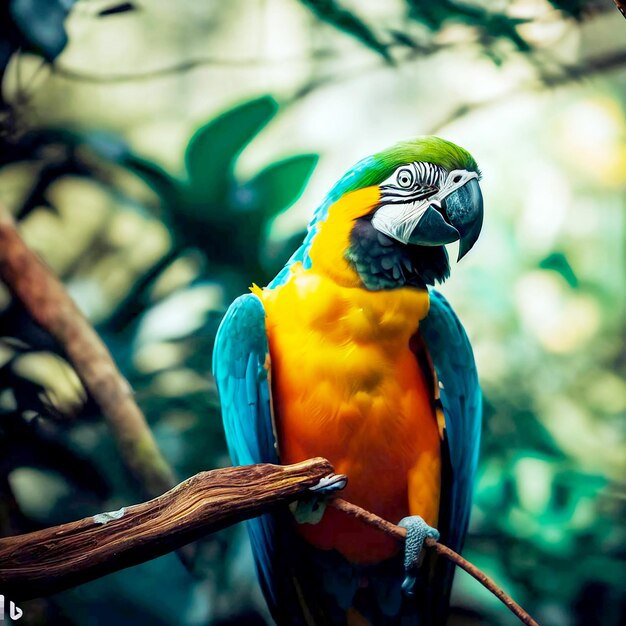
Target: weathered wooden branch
(56, 558)
(41, 293)
(399, 534)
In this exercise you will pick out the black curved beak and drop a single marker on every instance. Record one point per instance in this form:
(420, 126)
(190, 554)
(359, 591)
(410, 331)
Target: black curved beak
(460, 218)
(464, 209)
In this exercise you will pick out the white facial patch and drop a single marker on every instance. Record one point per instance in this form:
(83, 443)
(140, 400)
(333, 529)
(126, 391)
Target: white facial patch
(409, 192)
(398, 221)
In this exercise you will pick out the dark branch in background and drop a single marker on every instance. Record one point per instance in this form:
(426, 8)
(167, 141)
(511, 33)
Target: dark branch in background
(621, 5)
(71, 73)
(569, 74)
(117, 9)
(50, 560)
(489, 27)
(46, 300)
(593, 65)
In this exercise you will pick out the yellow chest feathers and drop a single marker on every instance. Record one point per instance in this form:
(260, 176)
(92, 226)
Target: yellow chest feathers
(347, 386)
(312, 305)
(335, 347)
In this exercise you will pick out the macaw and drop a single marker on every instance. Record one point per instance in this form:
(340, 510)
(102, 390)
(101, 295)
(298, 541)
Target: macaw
(348, 354)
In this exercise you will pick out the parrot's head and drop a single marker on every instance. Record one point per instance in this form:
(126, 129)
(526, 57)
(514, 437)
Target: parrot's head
(393, 213)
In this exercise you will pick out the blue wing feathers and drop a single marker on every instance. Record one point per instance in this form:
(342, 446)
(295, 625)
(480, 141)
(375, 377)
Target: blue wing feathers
(240, 359)
(461, 399)
(239, 367)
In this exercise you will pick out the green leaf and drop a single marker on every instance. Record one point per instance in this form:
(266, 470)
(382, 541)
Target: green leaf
(430, 14)
(162, 183)
(330, 11)
(279, 185)
(213, 149)
(488, 24)
(574, 8)
(403, 39)
(557, 262)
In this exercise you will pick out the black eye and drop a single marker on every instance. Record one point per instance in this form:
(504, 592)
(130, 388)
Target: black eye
(457, 178)
(405, 178)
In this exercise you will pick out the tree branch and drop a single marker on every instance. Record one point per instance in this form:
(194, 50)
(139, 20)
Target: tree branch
(50, 560)
(181, 67)
(44, 297)
(568, 74)
(399, 534)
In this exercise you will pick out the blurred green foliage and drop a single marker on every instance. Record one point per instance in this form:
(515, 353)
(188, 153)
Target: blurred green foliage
(33, 26)
(490, 22)
(178, 246)
(213, 218)
(210, 209)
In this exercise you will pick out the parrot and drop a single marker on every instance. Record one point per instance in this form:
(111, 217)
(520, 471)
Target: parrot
(350, 354)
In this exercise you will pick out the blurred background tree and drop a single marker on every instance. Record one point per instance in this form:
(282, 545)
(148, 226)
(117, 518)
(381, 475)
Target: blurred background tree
(149, 151)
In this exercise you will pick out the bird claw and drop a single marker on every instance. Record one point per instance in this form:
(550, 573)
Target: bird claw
(416, 532)
(309, 509)
(329, 484)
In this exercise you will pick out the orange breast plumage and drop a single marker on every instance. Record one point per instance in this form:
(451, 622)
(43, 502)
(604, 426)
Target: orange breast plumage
(347, 385)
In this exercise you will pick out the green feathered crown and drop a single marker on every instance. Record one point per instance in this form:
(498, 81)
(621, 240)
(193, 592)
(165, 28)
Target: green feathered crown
(375, 169)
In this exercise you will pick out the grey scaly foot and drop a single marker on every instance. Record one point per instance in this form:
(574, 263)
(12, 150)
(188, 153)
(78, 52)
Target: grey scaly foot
(416, 531)
(309, 510)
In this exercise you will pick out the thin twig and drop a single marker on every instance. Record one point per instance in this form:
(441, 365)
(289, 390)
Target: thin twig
(41, 293)
(79, 75)
(399, 534)
(569, 74)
